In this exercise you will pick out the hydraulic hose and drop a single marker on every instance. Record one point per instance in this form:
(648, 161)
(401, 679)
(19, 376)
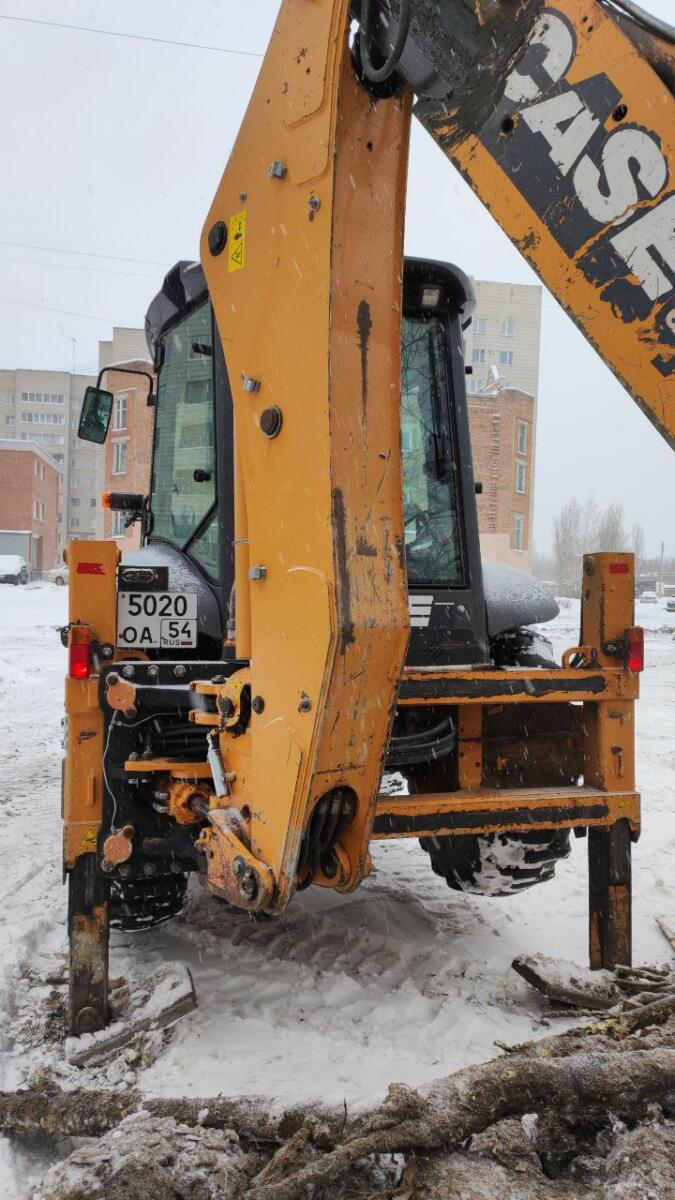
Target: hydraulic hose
(381, 74)
(652, 24)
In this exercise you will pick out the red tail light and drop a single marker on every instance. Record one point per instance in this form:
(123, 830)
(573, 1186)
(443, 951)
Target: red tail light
(79, 652)
(635, 642)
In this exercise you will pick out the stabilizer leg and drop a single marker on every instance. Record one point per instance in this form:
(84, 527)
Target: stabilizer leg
(609, 895)
(88, 933)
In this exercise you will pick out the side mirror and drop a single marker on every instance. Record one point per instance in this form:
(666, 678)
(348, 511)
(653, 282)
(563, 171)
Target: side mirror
(95, 415)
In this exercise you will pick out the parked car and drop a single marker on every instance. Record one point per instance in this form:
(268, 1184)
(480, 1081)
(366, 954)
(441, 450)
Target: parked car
(13, 569)
(58, 575)
(670, 604)
(649, 598)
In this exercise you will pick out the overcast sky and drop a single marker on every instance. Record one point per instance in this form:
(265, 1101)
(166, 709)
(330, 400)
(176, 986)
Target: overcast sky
(112, 149)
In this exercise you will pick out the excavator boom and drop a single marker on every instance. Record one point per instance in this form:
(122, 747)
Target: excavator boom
(561, 116)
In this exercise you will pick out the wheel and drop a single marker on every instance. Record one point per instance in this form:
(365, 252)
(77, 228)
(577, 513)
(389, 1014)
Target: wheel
(137, 904)
(60, 581)
(498, 864)
(501, 864)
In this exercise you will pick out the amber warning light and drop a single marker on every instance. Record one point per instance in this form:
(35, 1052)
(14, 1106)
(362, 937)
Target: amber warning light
(132, 502)
(79, 652)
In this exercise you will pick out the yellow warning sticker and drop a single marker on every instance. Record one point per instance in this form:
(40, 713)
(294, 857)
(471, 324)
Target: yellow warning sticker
(237, 243)
(88, 840)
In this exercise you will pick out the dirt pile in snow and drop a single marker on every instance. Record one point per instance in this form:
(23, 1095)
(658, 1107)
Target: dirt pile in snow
(146, 1158)
(515, 1160)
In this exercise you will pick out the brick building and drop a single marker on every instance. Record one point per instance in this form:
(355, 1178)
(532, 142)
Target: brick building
(29, 502)
(501, 347)
(43, 408)
(502, 438)
(128, 454)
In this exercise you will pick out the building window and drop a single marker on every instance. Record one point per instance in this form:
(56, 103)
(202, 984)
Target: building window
(74, 522)
(10, 419)
(121, 403)
(521, 477)
(478, 356)
(518, 532)
(118, 529)
(120, 451)
(75, 502)
(506, 358)
(481, 325)
(36, 511)
(507, 327)
(522, 437)
(42, 418)
(42, 397)
(92, 503)
(42, 511)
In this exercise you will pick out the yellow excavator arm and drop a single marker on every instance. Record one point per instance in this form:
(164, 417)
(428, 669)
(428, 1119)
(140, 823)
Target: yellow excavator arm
(570, 144)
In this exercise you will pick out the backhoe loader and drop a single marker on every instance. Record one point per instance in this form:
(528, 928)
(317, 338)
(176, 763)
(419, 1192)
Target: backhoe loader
(309, 608)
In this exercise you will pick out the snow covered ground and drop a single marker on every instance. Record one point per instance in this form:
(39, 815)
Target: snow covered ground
(403, 980)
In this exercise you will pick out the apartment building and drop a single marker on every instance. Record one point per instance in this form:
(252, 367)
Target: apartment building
(43, 407)
(29, 503)
(502, 350)
(128, 449)
(502, 439)
(505, 334)
(126, 345)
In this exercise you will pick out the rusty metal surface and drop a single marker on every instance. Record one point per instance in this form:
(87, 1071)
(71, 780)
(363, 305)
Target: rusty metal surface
(121, 695)
(609, 870)
(169, 766)
(92, 598)
(515, 685)
(233, 872)
(494, 810)
(117, 848)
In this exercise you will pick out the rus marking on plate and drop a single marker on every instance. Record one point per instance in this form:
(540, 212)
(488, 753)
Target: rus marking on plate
(157, 619)
(237, 243)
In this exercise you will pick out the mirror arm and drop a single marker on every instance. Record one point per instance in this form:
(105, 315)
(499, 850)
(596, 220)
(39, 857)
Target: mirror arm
(124, 370)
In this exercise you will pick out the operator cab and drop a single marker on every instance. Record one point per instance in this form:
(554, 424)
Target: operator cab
(188, 518)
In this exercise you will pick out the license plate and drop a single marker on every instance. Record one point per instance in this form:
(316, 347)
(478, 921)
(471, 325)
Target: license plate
(164, 620)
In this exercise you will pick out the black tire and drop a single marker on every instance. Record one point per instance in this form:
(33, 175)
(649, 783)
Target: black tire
(59, 581)
(137, 904)
(501, 864)
(498, 864)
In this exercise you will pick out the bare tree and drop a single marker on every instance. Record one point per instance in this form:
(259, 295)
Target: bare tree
(581, 529)
(611, 531)
(589, 522)
(565, 548)
(638, 546)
